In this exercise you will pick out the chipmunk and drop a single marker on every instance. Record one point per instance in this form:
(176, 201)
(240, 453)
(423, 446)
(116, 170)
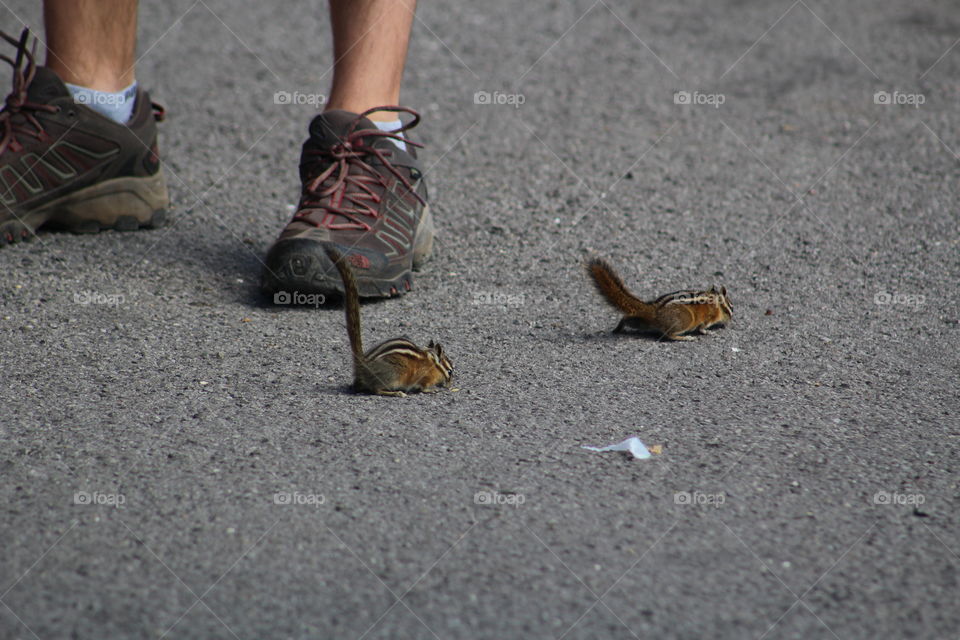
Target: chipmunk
(672, 315)
(393, 367)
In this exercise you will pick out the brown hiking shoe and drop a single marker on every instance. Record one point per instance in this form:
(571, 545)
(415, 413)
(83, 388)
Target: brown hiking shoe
(364, 197)
(66, 165)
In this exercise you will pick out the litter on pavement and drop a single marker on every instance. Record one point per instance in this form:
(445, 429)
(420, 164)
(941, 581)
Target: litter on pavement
(631, 445)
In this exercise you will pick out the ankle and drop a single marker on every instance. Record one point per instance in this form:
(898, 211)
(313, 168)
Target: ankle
(97, 80)
(362, 103)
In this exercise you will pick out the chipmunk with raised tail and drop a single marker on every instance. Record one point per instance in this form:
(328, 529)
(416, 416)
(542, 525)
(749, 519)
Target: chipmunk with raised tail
(672, 315)
(393, 367)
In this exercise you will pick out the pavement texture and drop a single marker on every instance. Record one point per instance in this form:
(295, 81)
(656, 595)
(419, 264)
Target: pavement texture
(181, 458)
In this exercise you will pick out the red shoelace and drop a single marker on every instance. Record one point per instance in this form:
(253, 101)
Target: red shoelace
(354, 195)
(16, 103)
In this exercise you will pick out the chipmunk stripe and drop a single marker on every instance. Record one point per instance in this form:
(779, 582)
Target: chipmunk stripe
(444, 365)
(690, 297)
(394, 349)
(393, 342)
(676, 296)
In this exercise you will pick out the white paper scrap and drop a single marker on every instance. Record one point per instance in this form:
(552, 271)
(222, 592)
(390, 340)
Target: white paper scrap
(631, 444)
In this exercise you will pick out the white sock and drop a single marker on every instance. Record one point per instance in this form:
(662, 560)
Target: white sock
(118, 106)
(390, 125)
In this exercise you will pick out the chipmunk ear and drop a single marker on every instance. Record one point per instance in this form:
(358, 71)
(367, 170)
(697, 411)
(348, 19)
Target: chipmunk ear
(723, 290)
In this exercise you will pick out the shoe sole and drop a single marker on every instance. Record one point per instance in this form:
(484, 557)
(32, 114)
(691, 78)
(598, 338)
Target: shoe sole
(313, 273)
(121, 204)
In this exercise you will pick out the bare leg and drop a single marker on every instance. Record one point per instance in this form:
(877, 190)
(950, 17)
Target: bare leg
(370, 49)
(91, 43)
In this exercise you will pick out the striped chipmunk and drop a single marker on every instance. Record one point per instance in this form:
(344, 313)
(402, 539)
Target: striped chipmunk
(672, 315)
(396, 366)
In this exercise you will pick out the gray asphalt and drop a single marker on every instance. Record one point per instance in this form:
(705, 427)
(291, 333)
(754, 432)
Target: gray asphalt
(807, 485)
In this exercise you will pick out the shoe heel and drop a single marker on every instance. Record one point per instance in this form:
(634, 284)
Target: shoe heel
(423, 240)
(124, 204)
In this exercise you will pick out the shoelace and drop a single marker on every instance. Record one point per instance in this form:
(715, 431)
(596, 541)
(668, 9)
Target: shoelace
(351, 195)
(17, 103)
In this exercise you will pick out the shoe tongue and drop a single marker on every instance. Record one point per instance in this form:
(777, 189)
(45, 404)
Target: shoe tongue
(46, 87)
(331, 127)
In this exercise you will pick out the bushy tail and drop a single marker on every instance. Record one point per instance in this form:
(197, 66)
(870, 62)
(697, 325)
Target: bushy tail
(613, 290)
(351, 303)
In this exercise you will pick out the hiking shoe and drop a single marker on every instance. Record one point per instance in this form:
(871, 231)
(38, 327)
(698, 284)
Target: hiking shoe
(364, 197)
(63, 164)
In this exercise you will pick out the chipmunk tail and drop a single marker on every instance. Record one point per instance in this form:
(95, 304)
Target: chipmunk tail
(611, 287)
(351, 304)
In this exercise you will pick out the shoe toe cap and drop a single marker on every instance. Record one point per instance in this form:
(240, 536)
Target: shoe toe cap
(301, 265)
